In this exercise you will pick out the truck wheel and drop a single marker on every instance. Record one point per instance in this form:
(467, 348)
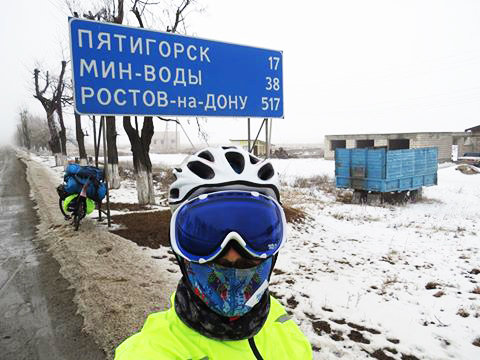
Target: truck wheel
(387, 198)
(374, 199)
(420, 194)
(415, 195)
(401, 197)
(357, 195)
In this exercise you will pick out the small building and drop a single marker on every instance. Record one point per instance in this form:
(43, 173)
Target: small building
(260, 148)
(165, 141)
(446, 142)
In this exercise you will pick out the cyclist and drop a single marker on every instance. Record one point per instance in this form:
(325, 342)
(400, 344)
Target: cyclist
(226, 230)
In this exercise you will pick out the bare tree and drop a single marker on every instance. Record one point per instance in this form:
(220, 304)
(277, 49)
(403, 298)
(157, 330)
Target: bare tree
(172, 19)
(57, 142)
(169, 15)
(140, 143)
(32, 131)
(68, 100)
(80, 139)
(110, 12)
(17, 136)
(23, 129)
(140, 146)
(39, 133)
(63, 132)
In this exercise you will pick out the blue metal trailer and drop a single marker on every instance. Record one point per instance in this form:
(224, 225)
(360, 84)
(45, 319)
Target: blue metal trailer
(378, 175)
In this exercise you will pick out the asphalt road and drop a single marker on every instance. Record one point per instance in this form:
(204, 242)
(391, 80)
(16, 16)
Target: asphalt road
(37, 313)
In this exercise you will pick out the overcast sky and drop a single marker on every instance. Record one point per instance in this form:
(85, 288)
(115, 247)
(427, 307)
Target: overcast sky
(350, 66)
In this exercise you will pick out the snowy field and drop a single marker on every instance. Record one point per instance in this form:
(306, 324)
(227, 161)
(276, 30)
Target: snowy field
(369, 266)
(388, 282)
(160, 160)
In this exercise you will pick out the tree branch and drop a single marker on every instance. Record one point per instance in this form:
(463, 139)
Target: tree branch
(166, 119)
(47, 82)
(57, 95)
(39, 93)
(181, 126)
(137, 14)
(178, 15)
(147, 132)
(131, 132)
(119, 18)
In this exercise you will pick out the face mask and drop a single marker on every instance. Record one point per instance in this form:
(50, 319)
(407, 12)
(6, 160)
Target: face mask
(229, 291)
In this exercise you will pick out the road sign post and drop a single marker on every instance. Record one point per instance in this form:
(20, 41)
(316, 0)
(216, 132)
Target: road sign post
(122, 70)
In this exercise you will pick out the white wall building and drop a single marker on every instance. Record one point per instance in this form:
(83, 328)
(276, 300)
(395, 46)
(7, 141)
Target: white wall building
(165, 141)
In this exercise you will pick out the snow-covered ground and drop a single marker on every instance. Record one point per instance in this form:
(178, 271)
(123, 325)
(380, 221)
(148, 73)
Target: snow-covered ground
(160, 160)
(369, 266)
(354, 277)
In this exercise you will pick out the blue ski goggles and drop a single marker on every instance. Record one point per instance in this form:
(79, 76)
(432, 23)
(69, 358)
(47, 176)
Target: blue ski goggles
(202, 227)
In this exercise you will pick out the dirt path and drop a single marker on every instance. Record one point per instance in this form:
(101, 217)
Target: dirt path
(116, 285)
(38, 318)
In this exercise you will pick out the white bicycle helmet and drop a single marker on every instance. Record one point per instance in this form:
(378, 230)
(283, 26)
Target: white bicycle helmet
(222, 168)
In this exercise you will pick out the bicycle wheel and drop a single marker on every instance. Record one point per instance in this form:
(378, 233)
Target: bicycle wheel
(79, 213)
(60, 205)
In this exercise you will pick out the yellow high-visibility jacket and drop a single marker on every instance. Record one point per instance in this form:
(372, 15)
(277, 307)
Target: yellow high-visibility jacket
(164, 336)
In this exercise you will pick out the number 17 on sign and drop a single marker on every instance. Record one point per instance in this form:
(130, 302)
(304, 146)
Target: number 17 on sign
(274, 60)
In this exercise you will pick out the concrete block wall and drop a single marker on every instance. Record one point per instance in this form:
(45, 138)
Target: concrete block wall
(442, 142)
(476, 144)
(381, 142)
(461, 145)
(328, 154)
(351, 144)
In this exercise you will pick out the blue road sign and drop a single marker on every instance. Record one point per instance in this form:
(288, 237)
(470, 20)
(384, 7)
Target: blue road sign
(121, 70)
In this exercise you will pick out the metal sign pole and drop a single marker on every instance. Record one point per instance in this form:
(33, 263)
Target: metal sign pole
(270, 135)
(256, 138)
(105, 162)
(176, 137)
(267, 140)
(95, 148)
(96, 158)
(248, 134)
(61, 146)
(99, 138)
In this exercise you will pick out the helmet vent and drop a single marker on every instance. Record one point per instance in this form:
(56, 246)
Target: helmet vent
(266, 172)
(178, 169)
(174, 193)
(201, 170)
(228, 147)
(236, 161)
(207, 155)
(254, 160)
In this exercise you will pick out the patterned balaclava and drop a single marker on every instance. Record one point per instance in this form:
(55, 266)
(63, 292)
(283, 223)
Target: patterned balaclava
(229, 292)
